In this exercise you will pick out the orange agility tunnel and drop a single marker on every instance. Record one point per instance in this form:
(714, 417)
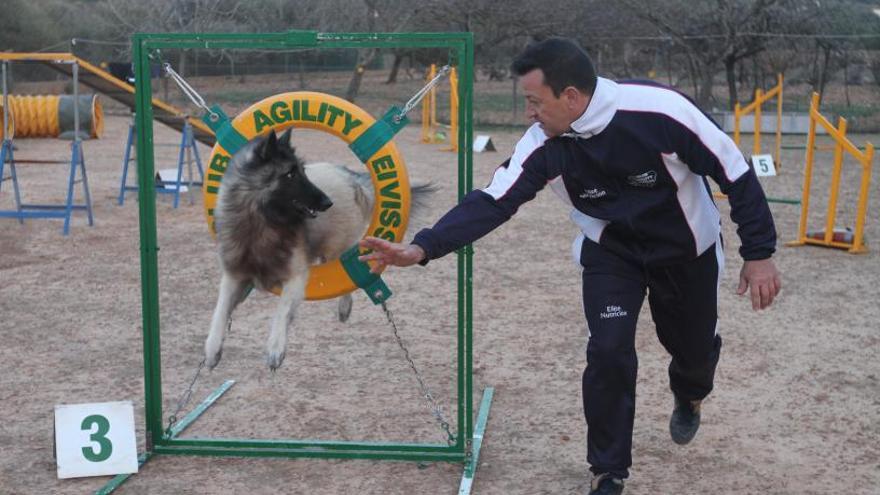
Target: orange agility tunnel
(53, 116)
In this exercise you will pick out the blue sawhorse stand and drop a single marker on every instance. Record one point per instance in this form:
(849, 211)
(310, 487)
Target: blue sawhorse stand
(25, 210)
(187, 155)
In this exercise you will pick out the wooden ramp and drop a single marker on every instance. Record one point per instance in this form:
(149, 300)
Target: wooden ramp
(105, 83)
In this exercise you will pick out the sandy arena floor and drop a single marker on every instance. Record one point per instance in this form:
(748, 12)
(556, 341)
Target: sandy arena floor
(796, 408)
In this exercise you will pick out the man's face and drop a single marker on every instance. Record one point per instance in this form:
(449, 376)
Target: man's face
(555, 114)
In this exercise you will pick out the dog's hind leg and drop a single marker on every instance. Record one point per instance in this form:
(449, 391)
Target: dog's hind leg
(292, 293)
(343, 311)
(232, 292)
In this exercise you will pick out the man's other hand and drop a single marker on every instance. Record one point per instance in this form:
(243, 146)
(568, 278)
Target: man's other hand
(762, 277)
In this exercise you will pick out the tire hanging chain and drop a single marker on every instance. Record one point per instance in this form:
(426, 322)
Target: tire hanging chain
(187, 394)
(184, 399)
(436, 410)
(189, 91)
(422, 92)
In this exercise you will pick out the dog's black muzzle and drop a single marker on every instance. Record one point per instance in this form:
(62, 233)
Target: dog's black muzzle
(323, 205)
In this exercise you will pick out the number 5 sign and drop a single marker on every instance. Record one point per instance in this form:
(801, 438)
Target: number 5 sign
(95, 439)
(764, 165)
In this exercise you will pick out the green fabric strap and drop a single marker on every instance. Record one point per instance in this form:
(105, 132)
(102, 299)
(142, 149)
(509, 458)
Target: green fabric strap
(382, 131)
(359, 272)
(229, 138)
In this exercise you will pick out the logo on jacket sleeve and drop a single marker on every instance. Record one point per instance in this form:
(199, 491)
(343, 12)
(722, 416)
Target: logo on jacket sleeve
(647, 179)
(594, 193)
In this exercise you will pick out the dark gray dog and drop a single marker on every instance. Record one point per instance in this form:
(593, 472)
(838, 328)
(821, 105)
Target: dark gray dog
(274, 220)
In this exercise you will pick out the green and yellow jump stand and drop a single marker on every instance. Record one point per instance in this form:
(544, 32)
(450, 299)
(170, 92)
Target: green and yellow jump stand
(464, 448)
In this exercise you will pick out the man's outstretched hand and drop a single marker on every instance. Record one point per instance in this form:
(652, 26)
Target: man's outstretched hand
(763, 279)
(389, 253)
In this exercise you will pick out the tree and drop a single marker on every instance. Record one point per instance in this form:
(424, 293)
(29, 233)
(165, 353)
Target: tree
(364, 56)
(126, 17)
(836, 26)
(716, 33)
(24, 26)
(385, 16)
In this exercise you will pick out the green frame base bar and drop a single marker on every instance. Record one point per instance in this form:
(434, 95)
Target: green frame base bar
(335, 450)
(470, 469)
(176, 429)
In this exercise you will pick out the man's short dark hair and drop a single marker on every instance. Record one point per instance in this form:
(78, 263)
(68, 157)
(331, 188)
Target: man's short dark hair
(563, 62)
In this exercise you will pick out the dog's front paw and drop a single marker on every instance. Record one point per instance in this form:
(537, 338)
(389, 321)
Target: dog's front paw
(274, 360)
(213, 353)
(343, 311)
(275, 349)
(212, 361)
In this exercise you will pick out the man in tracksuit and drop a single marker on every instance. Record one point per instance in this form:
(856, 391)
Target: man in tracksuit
(632, 160)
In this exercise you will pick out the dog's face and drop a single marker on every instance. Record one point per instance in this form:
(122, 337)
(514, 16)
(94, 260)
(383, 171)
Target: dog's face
(291, 196)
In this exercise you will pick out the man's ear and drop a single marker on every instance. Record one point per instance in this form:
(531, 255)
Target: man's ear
(575, 98)
(571, 94)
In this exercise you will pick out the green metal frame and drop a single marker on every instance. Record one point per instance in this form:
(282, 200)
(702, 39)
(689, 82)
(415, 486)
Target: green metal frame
(158, 441)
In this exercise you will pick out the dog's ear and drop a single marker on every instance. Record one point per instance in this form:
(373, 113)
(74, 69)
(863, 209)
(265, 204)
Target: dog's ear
(265, 149)
(284, 140)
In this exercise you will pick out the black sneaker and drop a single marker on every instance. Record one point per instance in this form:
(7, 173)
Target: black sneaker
(606, 484)
(685, 420)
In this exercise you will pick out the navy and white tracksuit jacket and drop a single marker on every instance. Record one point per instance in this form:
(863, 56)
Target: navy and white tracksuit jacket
(633, 168)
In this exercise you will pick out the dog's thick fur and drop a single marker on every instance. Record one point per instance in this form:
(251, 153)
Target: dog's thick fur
(275, 218)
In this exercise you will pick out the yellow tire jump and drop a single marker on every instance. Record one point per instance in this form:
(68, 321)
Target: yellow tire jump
(343, 119)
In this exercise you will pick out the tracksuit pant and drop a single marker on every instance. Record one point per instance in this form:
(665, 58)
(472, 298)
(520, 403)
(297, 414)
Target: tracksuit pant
(683, 302)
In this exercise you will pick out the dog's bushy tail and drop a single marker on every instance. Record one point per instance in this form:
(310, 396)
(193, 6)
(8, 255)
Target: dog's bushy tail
(420, 194)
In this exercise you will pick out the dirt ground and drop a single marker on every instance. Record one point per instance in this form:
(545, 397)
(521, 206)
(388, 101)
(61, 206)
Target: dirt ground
(796, 409)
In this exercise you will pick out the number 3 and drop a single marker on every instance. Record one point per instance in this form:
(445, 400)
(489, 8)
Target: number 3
(106, 448)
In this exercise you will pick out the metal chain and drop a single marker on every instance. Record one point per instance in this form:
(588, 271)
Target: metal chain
(187, 395)
(184, 399)
(189, 91)
(422, 92)
(432, 403)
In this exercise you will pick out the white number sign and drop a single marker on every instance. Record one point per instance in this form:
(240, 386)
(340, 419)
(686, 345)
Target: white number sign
(95, 439)
(764, 165)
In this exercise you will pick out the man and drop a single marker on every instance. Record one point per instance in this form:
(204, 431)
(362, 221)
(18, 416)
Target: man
(632, 161)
